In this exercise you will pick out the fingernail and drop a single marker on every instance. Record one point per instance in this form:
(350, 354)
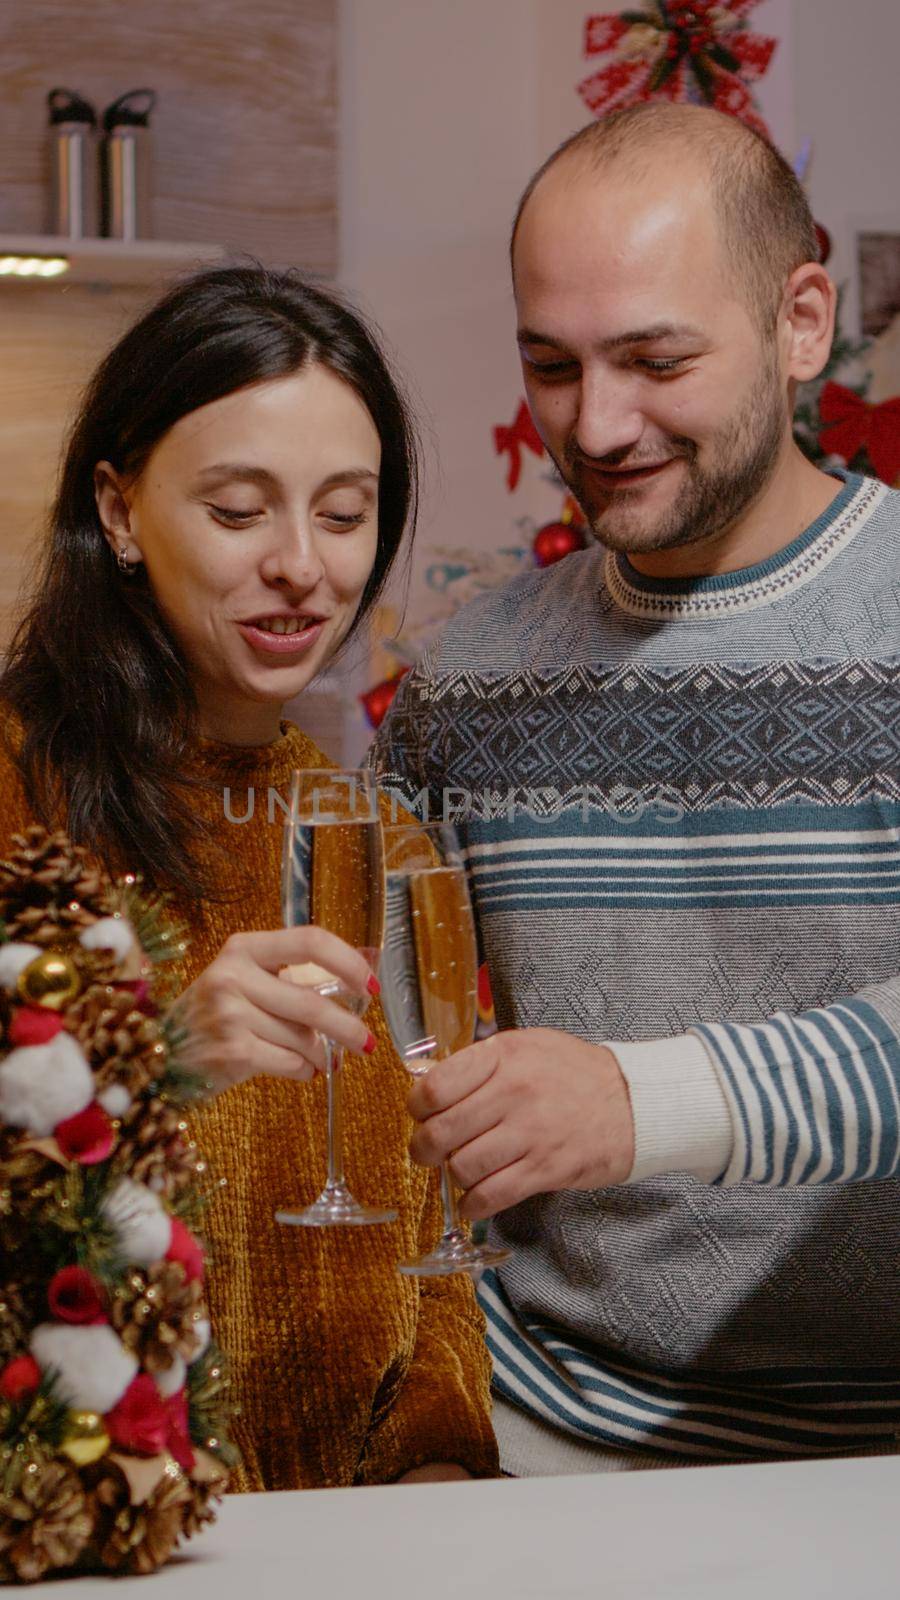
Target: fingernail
(370, 1044)
(373, 986)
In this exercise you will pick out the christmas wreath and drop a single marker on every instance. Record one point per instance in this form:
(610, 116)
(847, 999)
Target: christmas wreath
(113, 1398)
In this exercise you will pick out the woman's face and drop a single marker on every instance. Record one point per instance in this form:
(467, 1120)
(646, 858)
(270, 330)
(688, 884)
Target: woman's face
(257, 520)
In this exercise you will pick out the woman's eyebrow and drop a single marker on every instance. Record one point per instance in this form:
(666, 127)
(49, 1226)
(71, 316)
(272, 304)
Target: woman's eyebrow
(235, 469)
(349, 475)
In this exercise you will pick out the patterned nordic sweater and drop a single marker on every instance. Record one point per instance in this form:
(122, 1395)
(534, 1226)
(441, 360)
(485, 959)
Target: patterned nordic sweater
(683, 837)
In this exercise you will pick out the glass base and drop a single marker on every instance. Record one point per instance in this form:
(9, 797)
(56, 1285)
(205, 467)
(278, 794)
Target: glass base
(455, 1252)
(336, 1208)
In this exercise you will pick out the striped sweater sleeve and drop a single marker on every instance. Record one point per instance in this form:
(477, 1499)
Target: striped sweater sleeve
(811, 1098)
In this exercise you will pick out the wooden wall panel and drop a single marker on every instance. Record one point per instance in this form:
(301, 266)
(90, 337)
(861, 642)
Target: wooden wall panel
(244, 155)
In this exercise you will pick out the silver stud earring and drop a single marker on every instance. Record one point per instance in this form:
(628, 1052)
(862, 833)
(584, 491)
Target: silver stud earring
(122, 559)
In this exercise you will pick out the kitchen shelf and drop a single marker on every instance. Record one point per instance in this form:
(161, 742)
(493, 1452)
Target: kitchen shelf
(105, 262)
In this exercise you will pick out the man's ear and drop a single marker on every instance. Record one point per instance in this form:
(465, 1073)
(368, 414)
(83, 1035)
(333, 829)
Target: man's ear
(114, 511)
(810, 306)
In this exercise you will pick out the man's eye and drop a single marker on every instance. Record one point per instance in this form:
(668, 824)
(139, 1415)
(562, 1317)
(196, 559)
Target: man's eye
(672, 365)
(551, 369)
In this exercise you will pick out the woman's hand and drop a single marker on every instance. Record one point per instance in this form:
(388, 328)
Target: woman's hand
(243, 1018)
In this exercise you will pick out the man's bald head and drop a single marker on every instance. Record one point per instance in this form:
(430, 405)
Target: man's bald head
(764, 221)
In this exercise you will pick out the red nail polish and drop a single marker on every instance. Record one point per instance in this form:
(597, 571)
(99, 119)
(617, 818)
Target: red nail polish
(373, 986)
(370, 1044)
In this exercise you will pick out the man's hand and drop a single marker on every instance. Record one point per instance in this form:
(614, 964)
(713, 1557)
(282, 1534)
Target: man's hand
(523, 1113)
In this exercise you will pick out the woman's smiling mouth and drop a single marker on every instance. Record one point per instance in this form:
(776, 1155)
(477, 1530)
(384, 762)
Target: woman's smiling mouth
(282, 634)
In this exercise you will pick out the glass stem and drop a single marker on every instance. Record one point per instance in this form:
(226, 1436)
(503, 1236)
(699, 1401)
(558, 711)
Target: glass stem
(335, 1086)
(453, 1228)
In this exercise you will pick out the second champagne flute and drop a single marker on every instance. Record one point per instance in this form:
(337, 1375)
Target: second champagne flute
(429, 992)
(333, 877)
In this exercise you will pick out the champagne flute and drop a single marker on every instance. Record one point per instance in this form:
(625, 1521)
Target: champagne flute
(333, 876)
(429, 992)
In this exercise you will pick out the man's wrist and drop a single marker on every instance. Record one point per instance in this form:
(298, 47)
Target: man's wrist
(681, 1118)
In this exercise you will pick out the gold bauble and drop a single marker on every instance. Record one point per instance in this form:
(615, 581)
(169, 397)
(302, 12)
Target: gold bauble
(85, 1439)
(50, 980)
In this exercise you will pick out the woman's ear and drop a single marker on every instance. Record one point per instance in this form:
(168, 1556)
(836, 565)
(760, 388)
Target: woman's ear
(810, 309)
(114, 511)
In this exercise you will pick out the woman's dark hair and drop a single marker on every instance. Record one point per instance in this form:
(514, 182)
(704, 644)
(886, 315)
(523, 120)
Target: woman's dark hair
(94, 673)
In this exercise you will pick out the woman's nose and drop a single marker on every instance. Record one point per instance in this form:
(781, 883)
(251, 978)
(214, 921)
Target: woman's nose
(294, 559)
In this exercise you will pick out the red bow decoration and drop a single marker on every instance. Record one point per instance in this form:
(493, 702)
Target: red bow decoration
(696, 51)
(851, 424)
(522, 432)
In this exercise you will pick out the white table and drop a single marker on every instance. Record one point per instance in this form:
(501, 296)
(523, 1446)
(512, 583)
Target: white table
(822, 1530)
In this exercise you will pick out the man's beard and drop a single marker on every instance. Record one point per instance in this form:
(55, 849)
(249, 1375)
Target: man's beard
(711, 499)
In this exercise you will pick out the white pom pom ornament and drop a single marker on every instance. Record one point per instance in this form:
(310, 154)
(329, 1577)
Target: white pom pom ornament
(110, 933)
(173, 1380)
(143, 1228)
(13, 958)
(93, 1369)
(203, 1333)
(42, 1084)
(115, 1100)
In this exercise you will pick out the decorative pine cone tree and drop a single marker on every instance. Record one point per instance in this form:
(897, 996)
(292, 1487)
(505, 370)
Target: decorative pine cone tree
(113, 1400)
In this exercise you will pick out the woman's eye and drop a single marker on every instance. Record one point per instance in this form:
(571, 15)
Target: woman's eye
(235, 519)
(346, 519)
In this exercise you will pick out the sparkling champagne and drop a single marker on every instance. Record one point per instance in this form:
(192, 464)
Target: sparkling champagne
(429, 964)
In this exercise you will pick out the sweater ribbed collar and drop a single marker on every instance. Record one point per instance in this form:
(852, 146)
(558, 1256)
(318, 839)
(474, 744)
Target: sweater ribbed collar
(729, 593)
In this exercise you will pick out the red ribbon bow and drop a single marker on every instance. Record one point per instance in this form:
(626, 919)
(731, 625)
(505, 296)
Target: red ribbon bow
(851, 424)
(522, 432)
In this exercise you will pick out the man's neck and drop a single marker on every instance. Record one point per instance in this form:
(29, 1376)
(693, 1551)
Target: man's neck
(794, 497)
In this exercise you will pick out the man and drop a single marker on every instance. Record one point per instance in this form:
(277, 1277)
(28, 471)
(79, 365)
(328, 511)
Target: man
(695, 951)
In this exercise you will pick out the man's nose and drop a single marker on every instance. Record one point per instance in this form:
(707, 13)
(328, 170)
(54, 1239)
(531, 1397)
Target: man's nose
(608, 419)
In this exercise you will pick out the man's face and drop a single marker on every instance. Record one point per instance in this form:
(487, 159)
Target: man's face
(656, 393)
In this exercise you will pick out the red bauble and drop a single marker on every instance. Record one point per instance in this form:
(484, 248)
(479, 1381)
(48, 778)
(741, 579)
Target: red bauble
(20, 1377)
(74, 1295)
(184, 1248)
(140, 1421)
(376, 702)
(555, 540)
(34, 1025)
(179, 1440)
(88, 1137)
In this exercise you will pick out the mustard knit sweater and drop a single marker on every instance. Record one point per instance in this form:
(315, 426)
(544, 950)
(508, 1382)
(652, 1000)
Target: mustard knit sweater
(344, 1371)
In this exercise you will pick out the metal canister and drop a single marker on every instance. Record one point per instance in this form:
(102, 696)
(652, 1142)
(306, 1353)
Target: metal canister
(126, 166)
(73, 165)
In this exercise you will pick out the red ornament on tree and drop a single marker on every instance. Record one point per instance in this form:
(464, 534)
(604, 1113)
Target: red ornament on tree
(376, 702)
(555, 540)
(184, 1248)
(20, 1377)
(74, 1296)
(140, 1421)
(34, 1025)
(88, 1137)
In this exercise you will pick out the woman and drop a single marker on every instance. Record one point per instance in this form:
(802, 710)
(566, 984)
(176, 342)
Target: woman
(234, 492)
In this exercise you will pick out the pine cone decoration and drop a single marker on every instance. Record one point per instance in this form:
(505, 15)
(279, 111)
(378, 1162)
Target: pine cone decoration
(48, 888)
(139, 1539)
(154, 1148)
(202, 1509)
(26, 1181)
(122, 1044)
(46, 1523)
(154, 1313)
(16, 1321)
